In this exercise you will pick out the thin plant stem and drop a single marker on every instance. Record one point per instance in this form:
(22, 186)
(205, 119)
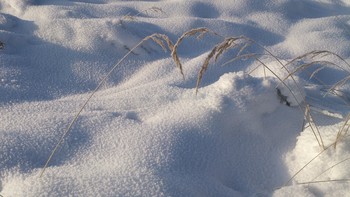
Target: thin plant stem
(104, 79)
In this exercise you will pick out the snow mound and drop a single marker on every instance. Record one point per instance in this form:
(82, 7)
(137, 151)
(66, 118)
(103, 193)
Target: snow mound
(187, 146)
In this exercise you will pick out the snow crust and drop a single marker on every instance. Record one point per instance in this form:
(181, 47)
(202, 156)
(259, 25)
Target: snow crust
(146, 132)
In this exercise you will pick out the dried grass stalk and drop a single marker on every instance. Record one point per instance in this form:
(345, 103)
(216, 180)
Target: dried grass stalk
(157, 38)
(192, 32)
(338, 163)
(243, 57)
(217, 51)
(343, 130)
(324, 181)
(306, 65)
(314, 127)
(302, 168)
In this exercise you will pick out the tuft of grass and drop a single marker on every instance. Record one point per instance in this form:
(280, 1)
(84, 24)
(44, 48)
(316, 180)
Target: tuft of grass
(310, 59)
(241, 44)
(299, 64)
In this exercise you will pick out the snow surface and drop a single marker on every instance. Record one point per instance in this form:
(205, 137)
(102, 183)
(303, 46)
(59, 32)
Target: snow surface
(146, 132)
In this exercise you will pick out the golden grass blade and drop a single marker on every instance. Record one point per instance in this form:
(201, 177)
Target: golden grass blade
(322, 53)
(224, 46)
(204, 68)
(315, 157)
(311, 54)
(337, 56)
(302, 168)
(340, 83)
(323, 181)
(243, 57)
(315, 182)
(338, 163)
(342, 130)
(246, 45)
(307, 113)
(216, 52)
(159, 42)
(317, 71)
(306, 65)
(314, 127)
(192, 32)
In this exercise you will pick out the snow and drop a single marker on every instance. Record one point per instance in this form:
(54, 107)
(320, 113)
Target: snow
(146, 132)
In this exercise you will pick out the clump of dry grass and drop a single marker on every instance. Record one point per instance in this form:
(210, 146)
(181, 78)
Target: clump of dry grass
(310, 59)
(228, 43)
(316, 58)
(240, 44)
(298, 64)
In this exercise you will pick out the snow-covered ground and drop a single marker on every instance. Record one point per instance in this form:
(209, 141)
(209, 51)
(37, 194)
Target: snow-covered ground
(145, 132)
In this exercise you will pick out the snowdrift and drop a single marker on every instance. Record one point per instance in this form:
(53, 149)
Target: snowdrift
(249, 130)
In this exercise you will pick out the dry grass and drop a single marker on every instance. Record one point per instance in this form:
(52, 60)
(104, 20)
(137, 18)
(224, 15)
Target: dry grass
(311, 56)
(228, 43)
(157, 38)
(330, 168)
(300, 63)
(199, 32)
(343, 130)
(240, 45)
(313, 126)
